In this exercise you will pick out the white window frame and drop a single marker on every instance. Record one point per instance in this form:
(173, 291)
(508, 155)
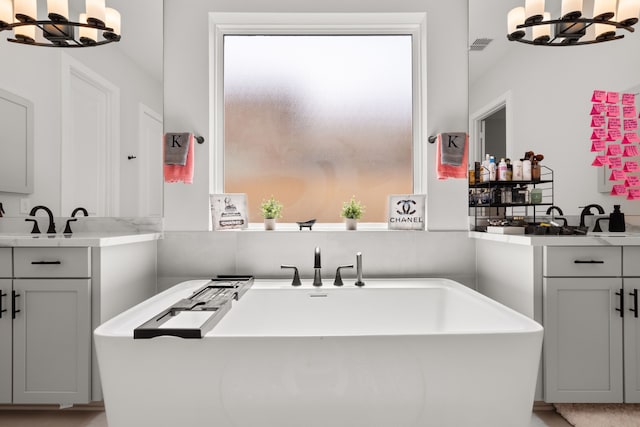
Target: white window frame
(231, 23)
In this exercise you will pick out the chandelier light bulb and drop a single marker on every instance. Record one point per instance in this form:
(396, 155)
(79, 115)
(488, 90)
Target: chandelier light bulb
(571, 9)
(96, 12)
(58, 10)
(113, 20)
(542, 33)
(628, 11)
(534, 10)
(515, 18)
(6, 12)
(604, 9)
(25, 10)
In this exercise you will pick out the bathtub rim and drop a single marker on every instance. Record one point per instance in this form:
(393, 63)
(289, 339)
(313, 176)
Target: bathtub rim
(528, 325)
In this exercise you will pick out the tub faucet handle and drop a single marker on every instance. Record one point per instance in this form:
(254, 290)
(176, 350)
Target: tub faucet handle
(296, 275)
(338, 279)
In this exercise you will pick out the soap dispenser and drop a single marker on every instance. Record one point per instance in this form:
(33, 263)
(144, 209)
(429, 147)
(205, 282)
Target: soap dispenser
(616, 219)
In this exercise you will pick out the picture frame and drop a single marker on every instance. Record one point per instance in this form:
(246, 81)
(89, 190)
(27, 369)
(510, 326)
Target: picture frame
(406, 212)
(229, 211)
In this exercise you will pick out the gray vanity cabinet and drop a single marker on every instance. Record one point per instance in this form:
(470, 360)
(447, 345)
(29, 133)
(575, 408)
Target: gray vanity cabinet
(631, 279)
(52, 331)
(6, 334)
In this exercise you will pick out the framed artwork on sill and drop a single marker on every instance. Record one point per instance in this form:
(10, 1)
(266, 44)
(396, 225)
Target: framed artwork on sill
(229, 211)
(406, 211)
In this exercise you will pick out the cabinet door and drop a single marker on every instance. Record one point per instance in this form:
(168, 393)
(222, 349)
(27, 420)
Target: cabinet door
(5, 341)
(583, 340)
(52, 341)
(631, 343)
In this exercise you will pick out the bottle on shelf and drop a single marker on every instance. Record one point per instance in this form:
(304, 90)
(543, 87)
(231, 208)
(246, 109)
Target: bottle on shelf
(526, 170)
(485, 170)
(517, 170)
(502, 170)
(492, 168)
(509, 170)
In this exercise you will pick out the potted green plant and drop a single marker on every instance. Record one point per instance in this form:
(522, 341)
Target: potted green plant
(351, 212)
(271, 210)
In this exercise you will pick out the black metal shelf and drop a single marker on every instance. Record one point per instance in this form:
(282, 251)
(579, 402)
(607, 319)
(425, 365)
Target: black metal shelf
(508, 183)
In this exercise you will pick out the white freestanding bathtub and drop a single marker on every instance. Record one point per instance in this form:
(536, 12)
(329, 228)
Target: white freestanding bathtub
(396, 353)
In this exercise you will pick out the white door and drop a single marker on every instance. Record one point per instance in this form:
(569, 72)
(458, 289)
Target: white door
(90, 141)
(150, 156)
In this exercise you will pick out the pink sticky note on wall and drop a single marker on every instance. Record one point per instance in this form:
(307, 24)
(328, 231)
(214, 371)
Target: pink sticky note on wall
(632, 181)
(618, 190)
(613, 97)
(614, 150)
(597, 109)
(597, 121)
(615, 162)
(630, 124)
(600, 161)
(614, 123)
(630, 151)
(598, 133)
(629, 111)
(630, 138)
(631, 166)
(598, 145)
(614, 135)
(598, 96)
(628, 99)
(634, 194)
(617, 176)
(613, 111)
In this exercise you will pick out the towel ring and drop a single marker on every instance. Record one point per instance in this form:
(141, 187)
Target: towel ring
(199, 139)
(432, 139)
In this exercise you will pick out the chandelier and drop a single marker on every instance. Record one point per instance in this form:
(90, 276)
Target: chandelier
(97, 26)
(570, 29)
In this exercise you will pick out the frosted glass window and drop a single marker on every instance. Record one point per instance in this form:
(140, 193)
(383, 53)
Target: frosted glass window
(313, 120)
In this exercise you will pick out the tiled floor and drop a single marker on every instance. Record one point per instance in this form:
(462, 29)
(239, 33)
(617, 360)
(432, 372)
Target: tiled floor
(93, 418)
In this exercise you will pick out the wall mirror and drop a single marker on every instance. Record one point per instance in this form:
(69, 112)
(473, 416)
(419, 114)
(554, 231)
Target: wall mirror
(97, 118)
(16, 143)
(547, 92)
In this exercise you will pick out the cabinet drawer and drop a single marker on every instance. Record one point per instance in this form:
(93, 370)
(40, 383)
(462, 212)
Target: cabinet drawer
(52, 262)
(5, 263)
(583, 261)
(631, 261)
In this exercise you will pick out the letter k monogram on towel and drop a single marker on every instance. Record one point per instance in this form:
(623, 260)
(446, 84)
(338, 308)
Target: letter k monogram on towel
(452, 155)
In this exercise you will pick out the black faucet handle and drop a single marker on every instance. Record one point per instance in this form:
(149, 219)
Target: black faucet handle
(296, 275)
(338, 280)
(67, 227)
(36, 229)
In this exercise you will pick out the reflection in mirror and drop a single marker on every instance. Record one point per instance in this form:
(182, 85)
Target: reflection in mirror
(93, 109)
(549, 93)
(16, 143)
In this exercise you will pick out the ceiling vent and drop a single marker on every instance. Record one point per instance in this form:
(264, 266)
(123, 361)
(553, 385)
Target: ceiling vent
(479, 44)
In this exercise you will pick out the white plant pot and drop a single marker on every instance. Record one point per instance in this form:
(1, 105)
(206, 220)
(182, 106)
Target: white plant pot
(351, 223)
(269, 223)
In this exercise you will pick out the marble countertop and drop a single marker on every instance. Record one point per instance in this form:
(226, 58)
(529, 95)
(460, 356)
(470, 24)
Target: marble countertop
(591, 239)
(80, 239)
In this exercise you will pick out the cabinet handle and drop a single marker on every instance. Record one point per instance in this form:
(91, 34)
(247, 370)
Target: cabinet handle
(46, 262)
(588, 262)
(14, 297)
(634, 309)
(2, 295)
(621, 309)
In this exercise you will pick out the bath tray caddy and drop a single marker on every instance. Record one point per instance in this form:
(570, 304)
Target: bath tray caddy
(193, 317)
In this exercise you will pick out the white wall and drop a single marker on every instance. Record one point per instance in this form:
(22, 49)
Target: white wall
(186, 90)
(34, 73)
(551, 91)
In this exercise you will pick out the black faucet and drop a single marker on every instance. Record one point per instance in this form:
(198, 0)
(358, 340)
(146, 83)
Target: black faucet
(52, 225)
(554, 208)
(587, 211)
(317, 279)
(67, 227)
